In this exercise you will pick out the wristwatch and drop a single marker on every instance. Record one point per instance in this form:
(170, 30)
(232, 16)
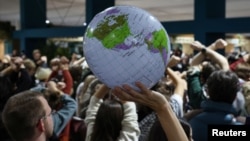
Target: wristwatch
(203, 50)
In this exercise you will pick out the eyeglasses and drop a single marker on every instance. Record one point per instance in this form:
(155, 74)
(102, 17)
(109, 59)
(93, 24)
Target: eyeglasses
(51, 113)
(44, 117)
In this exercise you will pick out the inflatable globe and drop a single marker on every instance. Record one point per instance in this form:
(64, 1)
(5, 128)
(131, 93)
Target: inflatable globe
(125, 44)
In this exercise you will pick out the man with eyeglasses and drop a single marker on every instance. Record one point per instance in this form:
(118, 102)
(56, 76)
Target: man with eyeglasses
(27, 116)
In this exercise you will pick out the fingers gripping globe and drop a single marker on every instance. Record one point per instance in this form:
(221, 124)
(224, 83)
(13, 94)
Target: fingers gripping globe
(125, 44)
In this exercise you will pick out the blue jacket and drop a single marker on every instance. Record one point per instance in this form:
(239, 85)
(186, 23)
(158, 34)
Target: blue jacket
(217, 113)
(64, 115)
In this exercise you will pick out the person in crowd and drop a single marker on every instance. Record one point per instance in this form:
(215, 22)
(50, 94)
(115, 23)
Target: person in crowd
(244, 58)
(30, 66)
(242, 69)
(205, 62)
(5, 62)
(81, 91)
(40, 61)
(61, 74)
(53, 97)
(18, 75)
(200, 71)
(27, 115)
(85, 98)
(15, 53)
(76, 73)
(102, 124)
(222, 88)
(156, 101)
(183, 63)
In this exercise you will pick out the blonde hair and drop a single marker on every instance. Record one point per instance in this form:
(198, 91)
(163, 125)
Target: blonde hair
(29, 64)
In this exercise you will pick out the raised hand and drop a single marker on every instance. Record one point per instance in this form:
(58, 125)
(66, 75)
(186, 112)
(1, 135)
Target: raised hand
(102, 91)
(220, 44)
(149, 98)
(174, 60)
(196, 45)
(159, 104)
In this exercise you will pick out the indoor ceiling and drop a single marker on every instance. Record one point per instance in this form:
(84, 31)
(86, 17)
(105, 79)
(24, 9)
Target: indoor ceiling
(72, 12)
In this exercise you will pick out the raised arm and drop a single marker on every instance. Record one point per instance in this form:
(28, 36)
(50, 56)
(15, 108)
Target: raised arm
(63, 116)
(180, 84)
(79, 62)
(173, 61)
(211, 53)
(93, 107)
(159, 104)
(199, 57)
(130, 127)
(95, 102)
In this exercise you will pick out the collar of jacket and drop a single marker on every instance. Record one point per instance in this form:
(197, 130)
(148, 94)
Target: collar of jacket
(212, 106)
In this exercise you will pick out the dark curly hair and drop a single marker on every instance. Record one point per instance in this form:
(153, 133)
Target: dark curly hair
(222, 86)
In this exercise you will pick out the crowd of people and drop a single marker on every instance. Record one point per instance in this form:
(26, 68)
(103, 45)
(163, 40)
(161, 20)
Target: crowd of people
(62, 100)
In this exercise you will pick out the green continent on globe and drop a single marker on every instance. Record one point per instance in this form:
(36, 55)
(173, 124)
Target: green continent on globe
(159, 39)
(113, 34)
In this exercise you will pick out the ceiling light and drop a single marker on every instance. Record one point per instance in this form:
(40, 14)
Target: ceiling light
(47, 21)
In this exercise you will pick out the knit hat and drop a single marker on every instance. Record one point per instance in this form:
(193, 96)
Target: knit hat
(42, 73)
